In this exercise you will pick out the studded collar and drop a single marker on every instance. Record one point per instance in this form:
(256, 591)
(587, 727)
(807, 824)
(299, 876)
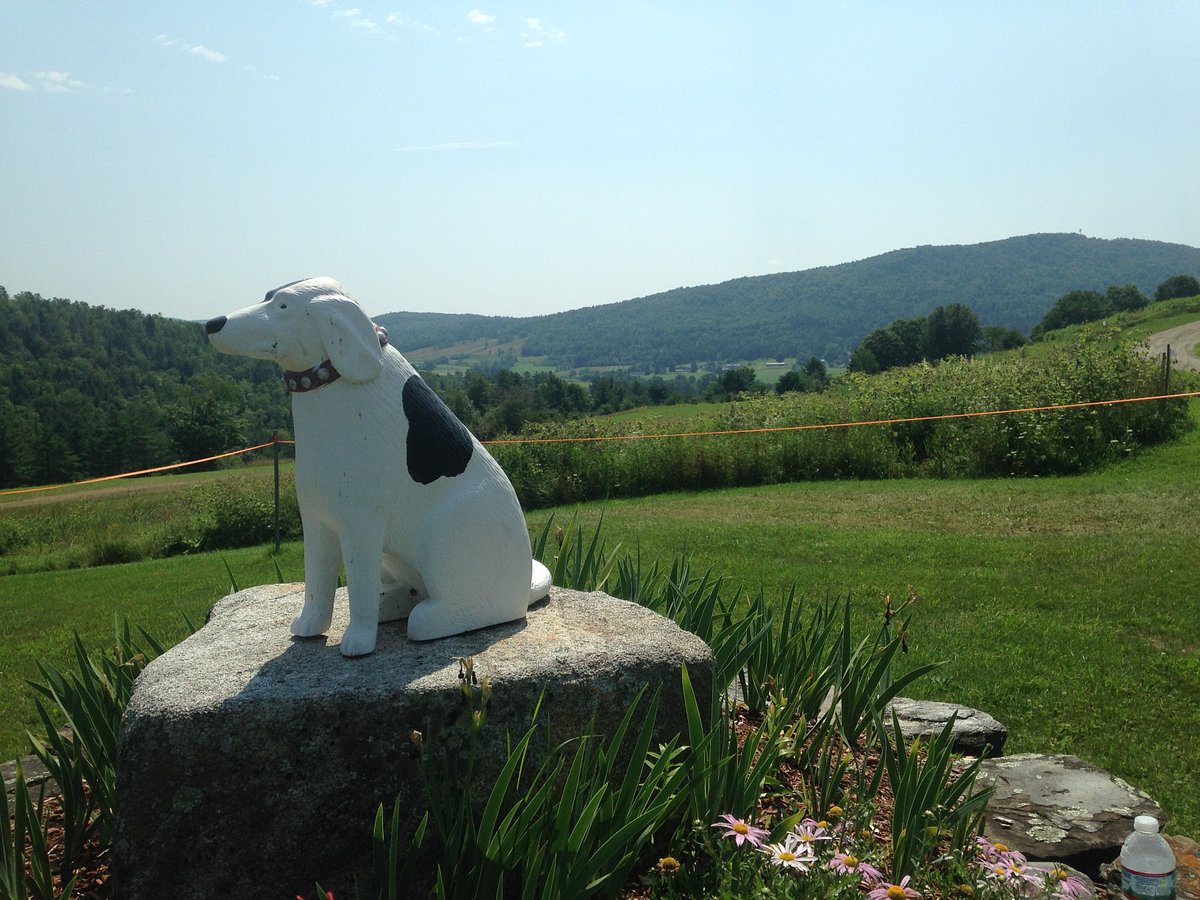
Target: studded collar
(322, 373)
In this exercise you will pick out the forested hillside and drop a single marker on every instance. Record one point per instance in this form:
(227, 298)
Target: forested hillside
(88, 391)
(821, 312)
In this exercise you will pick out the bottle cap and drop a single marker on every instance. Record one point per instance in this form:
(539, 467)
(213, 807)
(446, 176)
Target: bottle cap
(1146, 824)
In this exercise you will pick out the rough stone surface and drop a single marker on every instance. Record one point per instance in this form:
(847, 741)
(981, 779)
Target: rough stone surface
(251, 763)
(1082, 878)
(975, 733)
(1061, 809)
(35, 774)
(1187, 870)
(1187, 867)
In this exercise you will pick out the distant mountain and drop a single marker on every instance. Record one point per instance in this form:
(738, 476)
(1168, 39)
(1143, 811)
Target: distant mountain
(823, 312)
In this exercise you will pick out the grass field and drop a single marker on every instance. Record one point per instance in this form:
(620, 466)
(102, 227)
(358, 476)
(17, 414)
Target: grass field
(1065, 607)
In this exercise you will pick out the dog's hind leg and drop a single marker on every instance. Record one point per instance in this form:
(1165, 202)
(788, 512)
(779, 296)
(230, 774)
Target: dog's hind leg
(362, 553)
(476, 566)
(401, 588)
(322, 557)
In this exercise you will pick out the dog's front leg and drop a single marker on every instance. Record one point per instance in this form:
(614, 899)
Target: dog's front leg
(322, 557)
(362, 552)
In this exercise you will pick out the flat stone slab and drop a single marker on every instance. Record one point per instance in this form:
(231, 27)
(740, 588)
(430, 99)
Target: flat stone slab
(1061, 809)
(251, 763)
(975, 733)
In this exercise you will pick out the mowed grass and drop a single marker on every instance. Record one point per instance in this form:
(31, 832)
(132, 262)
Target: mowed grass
(1065, 607)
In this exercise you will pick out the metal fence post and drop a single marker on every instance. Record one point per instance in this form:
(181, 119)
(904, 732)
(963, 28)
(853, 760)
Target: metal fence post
(275, 453)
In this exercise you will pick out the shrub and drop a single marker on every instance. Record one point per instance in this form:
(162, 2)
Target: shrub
(240, 513)
(586, 461)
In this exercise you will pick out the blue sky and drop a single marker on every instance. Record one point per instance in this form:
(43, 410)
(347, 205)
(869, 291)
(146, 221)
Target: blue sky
(526, 158)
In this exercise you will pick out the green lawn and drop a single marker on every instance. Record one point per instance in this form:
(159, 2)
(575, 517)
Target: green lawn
(1065, 607)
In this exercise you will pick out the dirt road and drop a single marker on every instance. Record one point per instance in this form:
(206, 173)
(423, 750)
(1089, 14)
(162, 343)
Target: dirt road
(1184, 341)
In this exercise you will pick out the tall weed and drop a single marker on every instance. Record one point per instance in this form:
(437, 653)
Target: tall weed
(1051, 442)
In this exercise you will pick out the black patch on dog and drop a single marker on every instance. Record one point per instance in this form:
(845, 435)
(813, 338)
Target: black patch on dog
(438, 444)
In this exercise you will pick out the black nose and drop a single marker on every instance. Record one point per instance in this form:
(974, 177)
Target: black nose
(212, 326)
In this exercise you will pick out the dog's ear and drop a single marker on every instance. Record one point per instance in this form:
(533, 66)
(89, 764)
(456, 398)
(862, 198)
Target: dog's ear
(348, 335)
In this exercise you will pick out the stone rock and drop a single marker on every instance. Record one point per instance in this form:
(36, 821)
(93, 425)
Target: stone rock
(975, 733)
(1093, 890)
(1187, 867)
(34, 772)
(1061, 809)
(1187, 870)
(251, 763)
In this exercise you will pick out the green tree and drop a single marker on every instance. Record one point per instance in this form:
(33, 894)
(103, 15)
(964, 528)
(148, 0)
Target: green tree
(204, 425)
(790, 381)
(900, 344)
(951, 330)
(816, 370)
(997, 337)
(863, 360)
(732, 382)
(1125, 297)
(1177, 286)
(1074, 308)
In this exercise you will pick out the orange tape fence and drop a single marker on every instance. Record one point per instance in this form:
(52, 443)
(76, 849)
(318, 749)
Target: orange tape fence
(643, 437)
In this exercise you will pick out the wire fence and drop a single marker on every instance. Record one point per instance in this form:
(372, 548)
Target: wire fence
(277, 442)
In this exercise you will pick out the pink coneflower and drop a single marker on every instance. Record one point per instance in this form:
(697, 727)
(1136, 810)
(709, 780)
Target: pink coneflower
(790, 854)
(997, 852)
(1062, 885)
(741, 831)
(810, 831)
(889, 891)
(1013, 871)
(849, 864)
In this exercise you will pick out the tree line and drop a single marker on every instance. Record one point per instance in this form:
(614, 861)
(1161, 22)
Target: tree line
(955, 330)
(1078, 307)
(87, 391)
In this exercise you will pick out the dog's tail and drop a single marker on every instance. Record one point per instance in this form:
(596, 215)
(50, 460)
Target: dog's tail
(542, 580)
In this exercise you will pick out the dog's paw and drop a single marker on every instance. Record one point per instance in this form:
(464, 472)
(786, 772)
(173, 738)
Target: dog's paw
(358, 640)
(311, 623)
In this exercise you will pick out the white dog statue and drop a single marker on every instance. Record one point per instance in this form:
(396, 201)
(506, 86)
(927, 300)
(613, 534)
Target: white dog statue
(390, 483)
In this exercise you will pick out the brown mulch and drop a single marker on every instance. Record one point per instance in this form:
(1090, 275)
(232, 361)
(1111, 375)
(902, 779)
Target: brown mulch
(92, 877)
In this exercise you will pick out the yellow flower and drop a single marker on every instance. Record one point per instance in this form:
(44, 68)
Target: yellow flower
(668, 866)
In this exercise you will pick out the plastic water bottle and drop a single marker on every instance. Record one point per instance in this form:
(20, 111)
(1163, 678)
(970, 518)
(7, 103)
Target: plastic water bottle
(1147, 863)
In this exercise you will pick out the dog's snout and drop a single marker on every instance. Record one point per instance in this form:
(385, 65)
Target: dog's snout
(212, 326)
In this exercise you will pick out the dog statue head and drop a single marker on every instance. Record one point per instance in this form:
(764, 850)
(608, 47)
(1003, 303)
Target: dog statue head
(302, 325)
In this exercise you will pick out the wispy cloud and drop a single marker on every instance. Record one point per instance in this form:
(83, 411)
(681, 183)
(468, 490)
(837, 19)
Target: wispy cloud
(58, 82)
(198, 50)
(13, 83)
(54, 82)
(213, 56)
(455, 145)
(400, 22)
(353, 16)
(536, 34)
(482, 19)
(356, 18)
(206, 53)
